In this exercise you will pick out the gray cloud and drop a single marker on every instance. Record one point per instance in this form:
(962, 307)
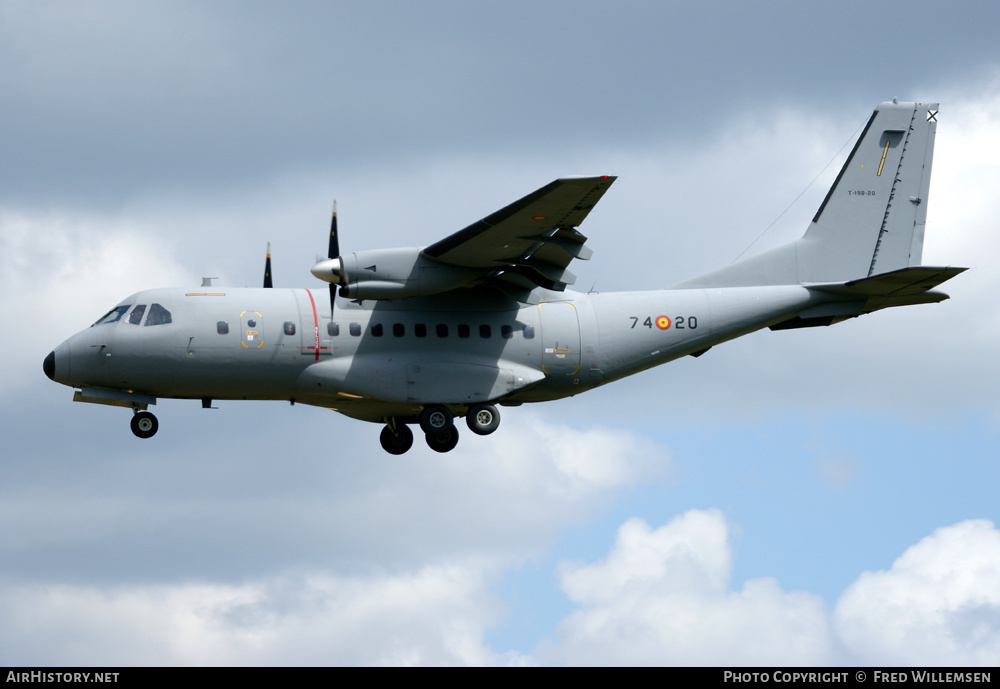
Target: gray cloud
(111, 98)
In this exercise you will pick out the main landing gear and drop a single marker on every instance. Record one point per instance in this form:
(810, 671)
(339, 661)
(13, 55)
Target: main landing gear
(396, 441)
(483, 419)
(144, 424)
(438, 424)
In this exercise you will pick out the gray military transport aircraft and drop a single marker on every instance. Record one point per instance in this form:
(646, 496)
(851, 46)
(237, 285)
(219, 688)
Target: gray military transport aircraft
(483, 318)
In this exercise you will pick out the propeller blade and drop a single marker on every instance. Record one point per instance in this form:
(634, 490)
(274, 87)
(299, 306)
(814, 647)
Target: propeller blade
(267, 267)
(334, 251)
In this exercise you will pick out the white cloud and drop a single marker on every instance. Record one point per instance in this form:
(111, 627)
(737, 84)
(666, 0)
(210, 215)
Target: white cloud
(662, 597)
(432, 616)
(939, 603)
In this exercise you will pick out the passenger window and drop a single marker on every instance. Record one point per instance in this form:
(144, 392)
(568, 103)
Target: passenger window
(442, 330)
(420, 330)
(377, 330)
(506, 332)
(485, 332)
(398, 329)
(333, 329)
(289, 328)
(529, 332)
(355, 330)
(463, 330)
(157, 315)
(135, 318)
(113, 315)
(222, 327)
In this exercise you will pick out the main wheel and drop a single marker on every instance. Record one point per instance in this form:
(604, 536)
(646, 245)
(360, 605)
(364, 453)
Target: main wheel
(483, 419)
(144, 424)
(436, 419)
(443, 442)
(396, 443)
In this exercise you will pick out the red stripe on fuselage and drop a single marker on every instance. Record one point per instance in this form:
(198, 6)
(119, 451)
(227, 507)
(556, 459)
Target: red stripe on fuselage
(315, 323)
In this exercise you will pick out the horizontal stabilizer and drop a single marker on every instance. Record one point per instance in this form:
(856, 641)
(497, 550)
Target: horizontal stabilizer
(899, 283)
(904, 287)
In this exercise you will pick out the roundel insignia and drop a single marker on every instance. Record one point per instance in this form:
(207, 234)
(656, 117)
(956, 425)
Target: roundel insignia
(662, 322)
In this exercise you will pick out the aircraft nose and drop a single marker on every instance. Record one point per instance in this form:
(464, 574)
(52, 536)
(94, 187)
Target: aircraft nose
(49, 365)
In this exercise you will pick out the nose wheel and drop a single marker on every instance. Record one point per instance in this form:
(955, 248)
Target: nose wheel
(144, 424)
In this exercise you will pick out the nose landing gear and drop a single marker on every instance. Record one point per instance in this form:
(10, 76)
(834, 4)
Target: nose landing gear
(144, 424)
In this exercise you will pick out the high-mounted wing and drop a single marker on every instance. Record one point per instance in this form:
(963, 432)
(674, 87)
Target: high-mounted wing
(528, 244)
(532, 241)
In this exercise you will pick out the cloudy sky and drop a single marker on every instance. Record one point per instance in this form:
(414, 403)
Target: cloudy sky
(823, 496)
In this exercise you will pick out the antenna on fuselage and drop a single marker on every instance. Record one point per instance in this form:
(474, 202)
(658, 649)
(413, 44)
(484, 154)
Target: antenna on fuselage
(267, 267)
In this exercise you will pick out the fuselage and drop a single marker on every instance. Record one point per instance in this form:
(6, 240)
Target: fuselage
(480, 317)
(376, 360)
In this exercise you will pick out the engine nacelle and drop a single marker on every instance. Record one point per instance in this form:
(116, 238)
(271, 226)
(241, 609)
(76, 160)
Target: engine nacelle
(392, 274)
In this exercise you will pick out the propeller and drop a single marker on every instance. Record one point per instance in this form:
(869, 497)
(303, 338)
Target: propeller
(332, 269)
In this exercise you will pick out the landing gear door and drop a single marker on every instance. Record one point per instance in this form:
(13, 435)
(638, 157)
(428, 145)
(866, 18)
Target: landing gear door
(252, 329)
(560, 338)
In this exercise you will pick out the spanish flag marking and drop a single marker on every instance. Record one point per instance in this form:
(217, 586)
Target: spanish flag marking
(662, 322)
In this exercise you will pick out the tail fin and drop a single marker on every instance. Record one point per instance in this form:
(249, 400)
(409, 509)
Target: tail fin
(872, 219)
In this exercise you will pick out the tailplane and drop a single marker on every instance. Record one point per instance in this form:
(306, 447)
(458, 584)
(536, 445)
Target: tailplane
(872, 219)
(903, 287)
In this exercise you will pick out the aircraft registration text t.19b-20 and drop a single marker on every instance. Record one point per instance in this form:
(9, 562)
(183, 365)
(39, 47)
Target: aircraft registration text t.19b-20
(483, 318)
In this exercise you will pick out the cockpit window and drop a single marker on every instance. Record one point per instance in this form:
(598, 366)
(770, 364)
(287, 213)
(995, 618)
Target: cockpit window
(157, 315)
(114, 315)
(135, 318)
